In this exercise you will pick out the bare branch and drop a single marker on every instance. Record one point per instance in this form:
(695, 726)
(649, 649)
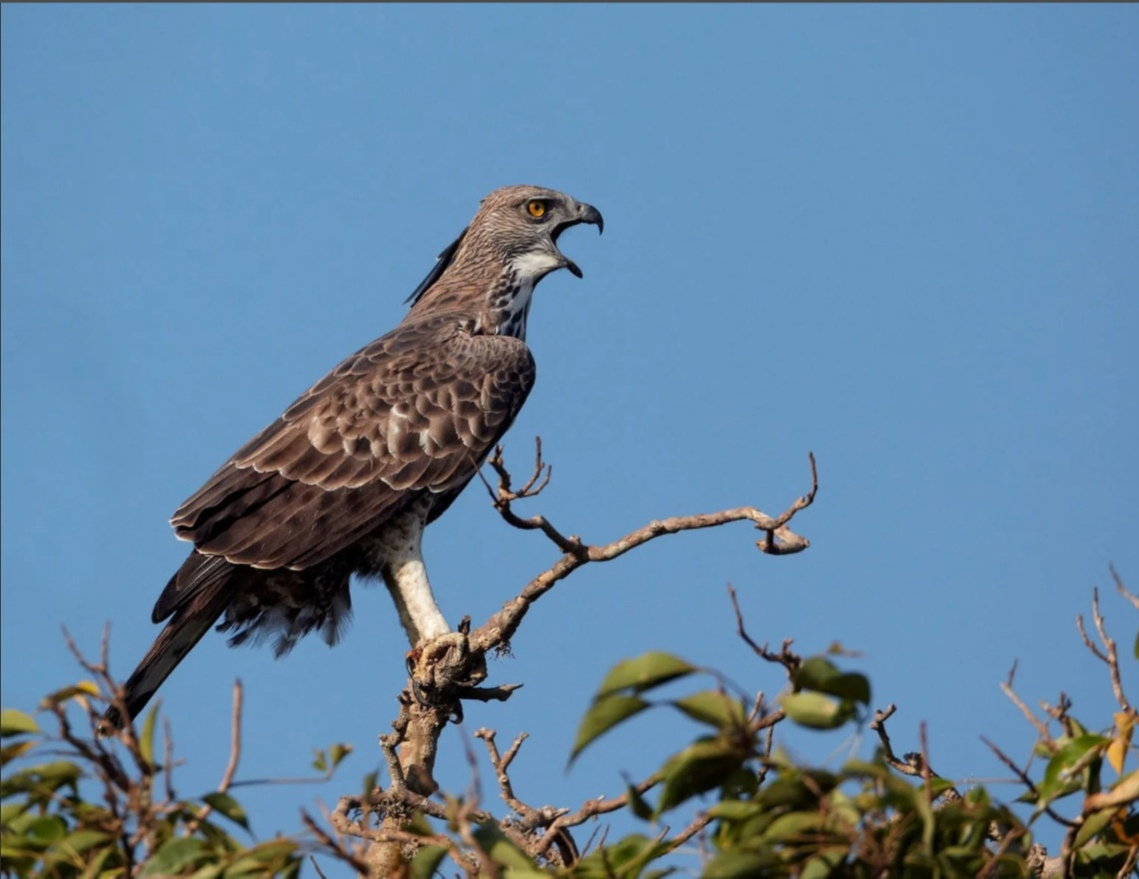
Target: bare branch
(1041, 729)
(592, 808)
(701, 821)
(447, 670)
(504, 496)
(333, 845)
(1123, 590)
(234, 757)
(915, 765)
(498, 630)
(1028, 782)
(1111, 657)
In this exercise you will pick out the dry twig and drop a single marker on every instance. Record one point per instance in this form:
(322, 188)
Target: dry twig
(1109, 655)
(234, 757)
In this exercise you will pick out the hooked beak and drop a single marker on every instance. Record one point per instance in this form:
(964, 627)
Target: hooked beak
(585, 213)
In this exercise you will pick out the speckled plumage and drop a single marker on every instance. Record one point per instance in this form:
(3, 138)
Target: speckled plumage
(344, 482)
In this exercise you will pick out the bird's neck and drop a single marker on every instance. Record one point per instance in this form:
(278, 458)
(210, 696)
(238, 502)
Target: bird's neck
(508, 304)
(503, 293)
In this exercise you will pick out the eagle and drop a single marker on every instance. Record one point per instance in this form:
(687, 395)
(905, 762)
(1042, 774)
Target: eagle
(345, 481)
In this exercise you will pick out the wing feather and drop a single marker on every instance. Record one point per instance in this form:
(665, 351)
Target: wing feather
(417, 410)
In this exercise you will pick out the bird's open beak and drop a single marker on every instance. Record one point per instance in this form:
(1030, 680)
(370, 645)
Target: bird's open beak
(586, 213)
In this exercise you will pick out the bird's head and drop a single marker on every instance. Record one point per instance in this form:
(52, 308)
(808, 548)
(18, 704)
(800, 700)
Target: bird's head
(517, 228)
(523, 223)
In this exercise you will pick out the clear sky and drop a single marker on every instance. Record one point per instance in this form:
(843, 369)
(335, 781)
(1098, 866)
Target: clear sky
(904, 238)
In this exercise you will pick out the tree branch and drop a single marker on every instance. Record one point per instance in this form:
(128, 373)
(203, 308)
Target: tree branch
(1111, 657)
(447, 670)
(500, 628)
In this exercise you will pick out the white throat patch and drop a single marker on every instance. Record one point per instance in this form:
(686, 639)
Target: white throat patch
(532, 266)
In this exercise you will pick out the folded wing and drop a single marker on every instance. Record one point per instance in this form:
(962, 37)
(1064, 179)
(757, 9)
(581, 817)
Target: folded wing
(418, 410)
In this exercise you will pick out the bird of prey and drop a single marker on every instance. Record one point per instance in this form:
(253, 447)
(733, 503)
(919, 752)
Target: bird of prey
(344, 482)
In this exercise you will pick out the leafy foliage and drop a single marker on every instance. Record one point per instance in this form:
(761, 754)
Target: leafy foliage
(75, 805)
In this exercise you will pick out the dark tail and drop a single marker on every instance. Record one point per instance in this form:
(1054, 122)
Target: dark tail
(185, 629)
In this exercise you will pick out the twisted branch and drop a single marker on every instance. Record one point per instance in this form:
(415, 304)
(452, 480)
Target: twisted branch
(778, 539)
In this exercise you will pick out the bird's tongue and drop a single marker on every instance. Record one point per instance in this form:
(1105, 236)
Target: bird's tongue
(572, 266)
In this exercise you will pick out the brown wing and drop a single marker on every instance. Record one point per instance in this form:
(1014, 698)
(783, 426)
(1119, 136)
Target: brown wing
(417, 410)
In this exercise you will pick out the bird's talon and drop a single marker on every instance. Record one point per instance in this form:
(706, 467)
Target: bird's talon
(418, 693)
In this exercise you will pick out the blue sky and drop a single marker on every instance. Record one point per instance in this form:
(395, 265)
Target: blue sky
(901, 237)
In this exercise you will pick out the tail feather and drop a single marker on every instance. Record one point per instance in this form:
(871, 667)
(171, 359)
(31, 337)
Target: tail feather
(185, 629)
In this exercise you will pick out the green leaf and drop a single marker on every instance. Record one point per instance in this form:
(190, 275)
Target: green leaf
(630, 855)
(938, 786)
(69, 849)
(94, 863)
(843, 812)
(713, 708)
(146, 737)
(816, 711)
(14, 847)
(292, 870)
(1065, 771)
(825, 863)
(734, 810)
(426, 861)
(867, 768)
(626, 857)
(700, 767)
(9, 812)
(792, 825)
(267, 859)
(739, 865)
(337, 753)
(16, 723)
(174, 856)
(226, 805)
(44, 776)
(82, 689)
(852, 686)
(320, 762)
(814, 674)
(638, 805)
(797, 790)
(49, 828)
(531, 872)
(604, 714)
(1092, 827)
(499, 848)
(81, 840)
(8, 753)
(740, 785)
(821, 675)
(370, 783)
(644, 672)
(209, 871)
(419, 825)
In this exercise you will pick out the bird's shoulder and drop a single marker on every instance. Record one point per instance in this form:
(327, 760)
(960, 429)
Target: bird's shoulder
(420, 352)
(434, 366)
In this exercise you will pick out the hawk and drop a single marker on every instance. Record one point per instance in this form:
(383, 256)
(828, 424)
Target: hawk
(345, 481)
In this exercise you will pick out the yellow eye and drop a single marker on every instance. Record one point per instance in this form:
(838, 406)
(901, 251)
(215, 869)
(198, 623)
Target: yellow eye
(536, 208)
